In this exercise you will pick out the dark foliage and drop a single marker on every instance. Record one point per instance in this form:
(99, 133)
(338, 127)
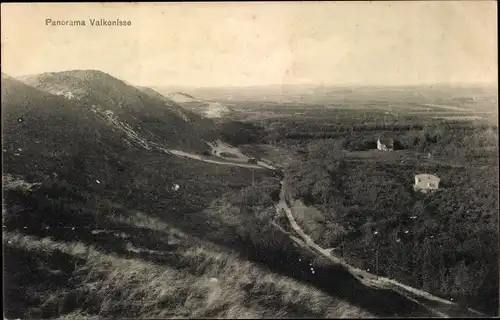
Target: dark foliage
(237, 132)
(444, 242)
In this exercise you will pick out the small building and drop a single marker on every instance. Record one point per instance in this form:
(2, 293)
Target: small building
(385, 144)
(426, 182)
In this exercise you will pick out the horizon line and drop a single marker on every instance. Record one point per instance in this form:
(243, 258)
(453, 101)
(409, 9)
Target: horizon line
(312, 84)
(355, 85)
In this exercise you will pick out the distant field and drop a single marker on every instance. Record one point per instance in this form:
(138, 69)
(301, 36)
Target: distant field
(332, 103)
(343, 114)
(447, 107)
(459, 117)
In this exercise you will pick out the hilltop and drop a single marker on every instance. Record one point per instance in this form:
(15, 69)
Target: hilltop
(181, 97)
(199, 121)
(40, 129)
(157, 119)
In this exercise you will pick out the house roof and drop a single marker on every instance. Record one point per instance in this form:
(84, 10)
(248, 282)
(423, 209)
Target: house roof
(427, 176)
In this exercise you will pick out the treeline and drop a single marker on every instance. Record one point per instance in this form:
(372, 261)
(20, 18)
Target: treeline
(314, 131)
(308, 129)
(440, 139)
(238, 133)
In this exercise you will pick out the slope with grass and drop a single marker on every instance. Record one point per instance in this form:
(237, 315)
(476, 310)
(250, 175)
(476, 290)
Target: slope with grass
(186, 115)
(93, 227)
(86, 282)
(157, 119)
(42, 132)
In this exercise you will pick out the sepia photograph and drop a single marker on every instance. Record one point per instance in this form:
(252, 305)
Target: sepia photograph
(227, 160)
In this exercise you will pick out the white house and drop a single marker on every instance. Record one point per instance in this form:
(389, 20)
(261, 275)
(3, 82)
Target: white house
(426, 182)
(385, 144)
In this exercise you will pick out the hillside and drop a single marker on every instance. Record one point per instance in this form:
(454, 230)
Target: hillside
(40, 129)
(93, 228)
(204, 108)
(180, 97)
(155, 119)
(199, 121)
(181, 112)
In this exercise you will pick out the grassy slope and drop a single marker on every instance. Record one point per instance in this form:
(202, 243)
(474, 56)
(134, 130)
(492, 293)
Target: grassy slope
(46, 131)
(175, 284)
(156, 118)
(55, 265)
(198, 121)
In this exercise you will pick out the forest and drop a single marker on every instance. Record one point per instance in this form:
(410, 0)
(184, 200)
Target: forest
(444, 242)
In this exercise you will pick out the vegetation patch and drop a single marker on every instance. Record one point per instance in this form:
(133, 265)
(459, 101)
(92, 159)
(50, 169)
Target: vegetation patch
(438, 242)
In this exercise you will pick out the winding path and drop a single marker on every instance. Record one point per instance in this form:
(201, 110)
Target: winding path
(183, 154)
(438, 306)
(186, 155)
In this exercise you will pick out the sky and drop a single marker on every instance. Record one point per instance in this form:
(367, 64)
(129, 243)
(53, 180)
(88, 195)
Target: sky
(247, 44)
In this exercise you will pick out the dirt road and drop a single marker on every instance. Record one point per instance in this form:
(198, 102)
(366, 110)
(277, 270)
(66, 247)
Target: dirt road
(183, 154)
(440, 307)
